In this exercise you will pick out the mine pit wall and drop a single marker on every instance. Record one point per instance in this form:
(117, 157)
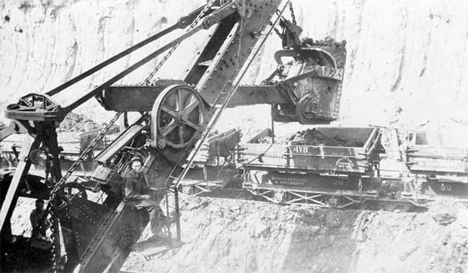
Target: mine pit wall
(407, 60)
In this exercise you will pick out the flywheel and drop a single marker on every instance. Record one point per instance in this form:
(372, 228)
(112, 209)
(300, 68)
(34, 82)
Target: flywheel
(177, 117)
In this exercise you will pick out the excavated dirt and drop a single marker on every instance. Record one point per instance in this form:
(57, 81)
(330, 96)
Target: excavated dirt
(77, 123)
(246, 236)
(314, 137)
(224, 235)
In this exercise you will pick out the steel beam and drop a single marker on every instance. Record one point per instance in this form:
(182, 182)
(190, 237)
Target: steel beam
(20, 174)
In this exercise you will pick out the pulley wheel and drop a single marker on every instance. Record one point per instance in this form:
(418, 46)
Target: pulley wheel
(177, 117)
(69, 191)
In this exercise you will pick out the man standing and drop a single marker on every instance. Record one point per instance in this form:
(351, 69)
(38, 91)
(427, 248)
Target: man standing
(138, 193)
(38, 222)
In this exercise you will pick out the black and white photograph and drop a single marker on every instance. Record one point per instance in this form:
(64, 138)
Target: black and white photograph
(234, 136)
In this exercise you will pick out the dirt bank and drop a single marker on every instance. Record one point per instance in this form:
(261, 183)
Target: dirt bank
(246, 236)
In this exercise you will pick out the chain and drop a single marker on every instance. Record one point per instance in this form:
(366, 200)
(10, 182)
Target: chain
(202, 13)
(84, 154)
(56, 248)
(293, 17)
(56, 245)
(160, 64)
(166, 57)
(277, 32)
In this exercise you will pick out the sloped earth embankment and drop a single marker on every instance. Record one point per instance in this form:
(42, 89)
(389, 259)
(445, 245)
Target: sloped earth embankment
(245, 236)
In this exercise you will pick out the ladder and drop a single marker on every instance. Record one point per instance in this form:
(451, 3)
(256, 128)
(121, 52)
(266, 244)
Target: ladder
(176, 176)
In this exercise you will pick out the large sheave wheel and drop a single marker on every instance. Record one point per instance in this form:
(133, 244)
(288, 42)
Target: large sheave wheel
(177, 116)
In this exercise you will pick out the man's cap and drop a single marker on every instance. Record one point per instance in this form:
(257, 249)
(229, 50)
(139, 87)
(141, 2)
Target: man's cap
(136, 158)
(39, 201)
